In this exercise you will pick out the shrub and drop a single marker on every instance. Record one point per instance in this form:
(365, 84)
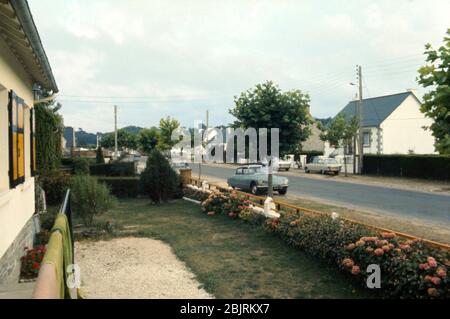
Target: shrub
(81, 166)
(113, 170)
(42, 238)
(159, 180)
(55, 184)
(99, 159)
(122, 187)
(31, 262)
(90, 198)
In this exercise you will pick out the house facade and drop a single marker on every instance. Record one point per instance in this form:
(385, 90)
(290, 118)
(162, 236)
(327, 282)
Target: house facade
(392, 124)
(24, 71)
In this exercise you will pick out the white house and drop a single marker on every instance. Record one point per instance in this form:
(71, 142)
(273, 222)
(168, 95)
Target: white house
(392, 124)
(24, 69)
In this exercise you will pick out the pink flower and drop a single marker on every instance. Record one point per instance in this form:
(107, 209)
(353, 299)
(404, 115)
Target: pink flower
(360, 243)
(424, 267)
(351, 247)
(211, 213)
(369, 250)
(356, 270)
(379, 252)
(348, 263)
(386, 248)
(432, 262)
(436, 280)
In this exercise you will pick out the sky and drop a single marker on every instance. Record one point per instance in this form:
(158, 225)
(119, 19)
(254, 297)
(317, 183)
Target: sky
(180, 58)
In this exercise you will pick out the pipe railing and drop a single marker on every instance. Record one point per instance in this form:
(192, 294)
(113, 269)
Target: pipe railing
(280, 205)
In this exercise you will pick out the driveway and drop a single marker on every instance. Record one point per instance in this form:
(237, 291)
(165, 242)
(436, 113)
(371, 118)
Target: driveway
(429, 207)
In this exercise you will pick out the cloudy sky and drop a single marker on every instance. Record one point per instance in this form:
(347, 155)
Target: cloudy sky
(179, 58)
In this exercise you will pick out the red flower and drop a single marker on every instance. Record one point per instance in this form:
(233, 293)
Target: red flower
(436, 280)
(36, 266)
(356, 270)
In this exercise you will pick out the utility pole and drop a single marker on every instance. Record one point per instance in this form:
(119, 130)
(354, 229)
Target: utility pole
(116, 145)
(207, 119)
(360, 115)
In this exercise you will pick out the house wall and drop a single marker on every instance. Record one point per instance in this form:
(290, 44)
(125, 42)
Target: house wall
(402, 131)
(16, 205)
(375, 141)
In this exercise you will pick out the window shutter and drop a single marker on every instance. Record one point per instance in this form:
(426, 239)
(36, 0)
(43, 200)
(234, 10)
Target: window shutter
(33, 160)
(16, 140)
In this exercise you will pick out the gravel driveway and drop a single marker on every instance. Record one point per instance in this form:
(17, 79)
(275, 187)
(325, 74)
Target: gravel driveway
(134, 268)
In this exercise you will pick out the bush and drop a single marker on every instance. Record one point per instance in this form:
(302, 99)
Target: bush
(415, 166)
(31, 262)
(410, 269)
(90, 198)
(81, 166)
(99, 159)
(159, 180)
(55, 184)
(122, 187)
(113, 170)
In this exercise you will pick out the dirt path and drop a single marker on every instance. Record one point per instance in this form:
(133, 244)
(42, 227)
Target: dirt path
(134, 268)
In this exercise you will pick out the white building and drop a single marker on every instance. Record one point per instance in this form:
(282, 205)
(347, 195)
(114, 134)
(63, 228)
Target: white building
(392, 124)
(23, 65)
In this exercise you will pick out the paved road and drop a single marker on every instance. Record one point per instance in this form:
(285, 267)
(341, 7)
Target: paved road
(430, 207)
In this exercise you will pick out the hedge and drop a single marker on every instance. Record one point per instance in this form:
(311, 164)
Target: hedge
(415, 166)
(122, 187)
(114, 169)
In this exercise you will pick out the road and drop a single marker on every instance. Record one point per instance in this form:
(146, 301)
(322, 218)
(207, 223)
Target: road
(430, 207)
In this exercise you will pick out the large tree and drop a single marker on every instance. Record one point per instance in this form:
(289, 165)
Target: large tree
(267, 106)
(436, 75)
(124, 139)
(340, 131)
(148, 139)
(49, 131)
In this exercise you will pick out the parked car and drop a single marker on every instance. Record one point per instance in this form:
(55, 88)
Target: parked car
(283, 165)
(323, 166)
(179, 165)
(254, 178)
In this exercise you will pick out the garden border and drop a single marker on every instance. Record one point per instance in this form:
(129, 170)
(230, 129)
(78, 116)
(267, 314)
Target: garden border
(259, 201)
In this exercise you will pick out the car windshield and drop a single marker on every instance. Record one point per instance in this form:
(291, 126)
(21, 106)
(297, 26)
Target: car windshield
(254, 170)
(331, 161)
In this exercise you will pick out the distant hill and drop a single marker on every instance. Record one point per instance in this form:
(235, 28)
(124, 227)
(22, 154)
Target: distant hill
(85, 139)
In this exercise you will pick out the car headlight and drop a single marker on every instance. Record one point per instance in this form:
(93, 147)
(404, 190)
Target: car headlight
(286, 181)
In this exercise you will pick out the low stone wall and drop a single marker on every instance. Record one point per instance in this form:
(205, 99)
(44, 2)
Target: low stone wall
(10, 261)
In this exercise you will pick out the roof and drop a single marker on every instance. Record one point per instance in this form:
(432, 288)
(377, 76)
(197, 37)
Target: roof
(20, 34)
(376, 110)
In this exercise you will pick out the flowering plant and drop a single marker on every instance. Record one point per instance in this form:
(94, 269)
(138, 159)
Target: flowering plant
(31, 262)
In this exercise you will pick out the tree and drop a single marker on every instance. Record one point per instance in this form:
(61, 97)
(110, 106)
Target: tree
(167, 127)
(49, 132)
(99, 158)
(148, 139)
(437, 102)
(266, 106)
(124, 139)
(159, 180)
(341, 132)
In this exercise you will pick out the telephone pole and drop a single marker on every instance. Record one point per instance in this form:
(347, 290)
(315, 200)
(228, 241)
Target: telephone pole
(360, 115)
(116, 145)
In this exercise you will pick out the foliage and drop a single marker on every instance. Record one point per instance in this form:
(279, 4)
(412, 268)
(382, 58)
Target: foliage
(148, 139)
(115, 169)
(125, 139)
(266, 106)
(90, 198)
(42, 238)
(340, 132)
(55, 184)
(195, 194)
(415, 166)
(167, 127)
(122, 187)
(31, 262)
(49, 131)
(436, 75)
(81, 166)
(159, 180)
(410, 269)
(99, 158)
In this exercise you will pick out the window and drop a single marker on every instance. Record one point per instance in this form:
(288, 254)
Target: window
(366, 139)
(16, 107)
(33, 160)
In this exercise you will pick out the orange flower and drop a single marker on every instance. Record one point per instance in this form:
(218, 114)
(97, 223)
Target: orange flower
(432, 292)
(385, 248)
(360, 243)
(347, 262)
(369, 250)
(441, 272)
(388, 235)
(351, 247)
(356, 270)
(379, 252)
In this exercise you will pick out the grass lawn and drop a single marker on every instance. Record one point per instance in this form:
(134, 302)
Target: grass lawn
(232, 259)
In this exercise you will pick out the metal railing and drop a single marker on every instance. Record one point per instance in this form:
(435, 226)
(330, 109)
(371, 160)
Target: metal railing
(280, 205)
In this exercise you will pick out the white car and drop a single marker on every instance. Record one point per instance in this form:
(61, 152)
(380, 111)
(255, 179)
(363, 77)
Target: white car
(323, 166)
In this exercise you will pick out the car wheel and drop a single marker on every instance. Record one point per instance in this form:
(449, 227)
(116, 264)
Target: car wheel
(307, 170)
(283, 191)
(254, 189)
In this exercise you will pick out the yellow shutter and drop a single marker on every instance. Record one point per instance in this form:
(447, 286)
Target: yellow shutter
(21, 141)
(16, 109)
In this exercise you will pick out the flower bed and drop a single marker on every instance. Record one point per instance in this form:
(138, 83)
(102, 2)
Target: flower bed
(409, 269)
(31, 262)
